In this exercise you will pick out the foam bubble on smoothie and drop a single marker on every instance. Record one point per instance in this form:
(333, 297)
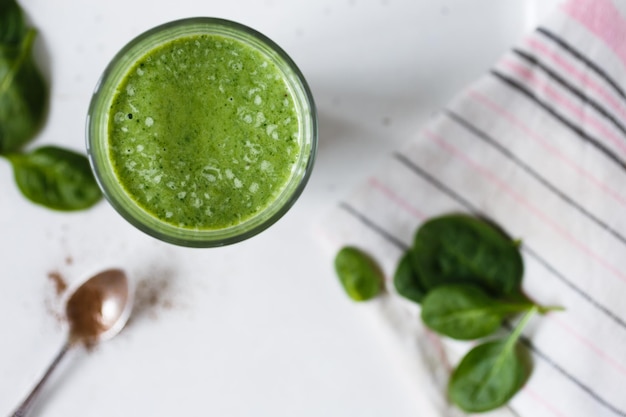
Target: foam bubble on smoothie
(271, 131)
(119, 117)
(197, 203)
(254, 148)
(260, 119)
(266, 166)
(149, 121)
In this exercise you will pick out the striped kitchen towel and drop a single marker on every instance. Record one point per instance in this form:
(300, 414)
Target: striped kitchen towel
(539, 145)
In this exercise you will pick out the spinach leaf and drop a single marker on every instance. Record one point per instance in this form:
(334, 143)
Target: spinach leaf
(56, 178)
(23, 92)
(359, 274)
(457, 248)
(465, 311)
(491, 373)
(406, 280)
(12, 23)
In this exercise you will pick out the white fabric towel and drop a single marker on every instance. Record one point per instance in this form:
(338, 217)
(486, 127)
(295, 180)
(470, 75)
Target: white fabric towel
(539, 145)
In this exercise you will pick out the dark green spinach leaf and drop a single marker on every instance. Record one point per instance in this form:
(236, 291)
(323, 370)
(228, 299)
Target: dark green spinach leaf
(12, 23)
(458, 248)
(359, 274)
(56, 178)
(23, 92)
(491, 373)
(465, 311)
(406, 280)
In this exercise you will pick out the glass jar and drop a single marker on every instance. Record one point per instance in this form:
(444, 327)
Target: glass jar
(99, 145)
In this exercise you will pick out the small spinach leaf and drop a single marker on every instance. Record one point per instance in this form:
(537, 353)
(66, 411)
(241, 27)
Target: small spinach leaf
(458, 248)
(465, 311)
(491, 373)
(359, 274)
(56, 178)
(23, 92)
(406, 280)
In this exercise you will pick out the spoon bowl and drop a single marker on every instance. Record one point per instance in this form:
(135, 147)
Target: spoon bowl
(99, 308)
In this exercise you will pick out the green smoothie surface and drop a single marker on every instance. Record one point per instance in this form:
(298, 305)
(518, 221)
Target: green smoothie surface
(203, 132)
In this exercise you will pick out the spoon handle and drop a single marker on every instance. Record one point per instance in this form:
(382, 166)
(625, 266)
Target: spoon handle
(25, 406)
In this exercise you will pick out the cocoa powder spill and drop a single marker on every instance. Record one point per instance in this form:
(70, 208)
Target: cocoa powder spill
(51, 302)
(152, 295)
(59, 283)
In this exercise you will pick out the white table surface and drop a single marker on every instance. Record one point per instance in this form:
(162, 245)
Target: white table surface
(260, 328)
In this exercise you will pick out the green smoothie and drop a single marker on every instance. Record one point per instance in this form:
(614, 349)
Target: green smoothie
(203, 132)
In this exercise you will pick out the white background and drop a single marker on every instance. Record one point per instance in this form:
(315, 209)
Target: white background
(260, 328)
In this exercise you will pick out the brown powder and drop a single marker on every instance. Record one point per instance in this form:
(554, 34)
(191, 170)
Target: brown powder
(58, 281)
(53, 310)
(52, 301)
(152, 295)
(84, 314)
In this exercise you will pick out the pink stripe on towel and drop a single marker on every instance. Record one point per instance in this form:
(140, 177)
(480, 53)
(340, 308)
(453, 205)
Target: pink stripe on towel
(602, 19)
